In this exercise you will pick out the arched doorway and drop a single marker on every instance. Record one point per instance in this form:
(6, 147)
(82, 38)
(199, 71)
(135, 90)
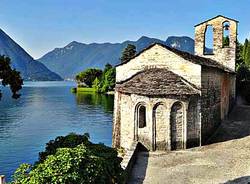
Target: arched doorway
(176, 124)
(160, 127)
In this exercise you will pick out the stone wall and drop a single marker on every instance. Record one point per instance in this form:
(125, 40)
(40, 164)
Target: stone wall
(193, 123)
(160, 57)
(176, 122)
(224, 55)
(160, 115)
(2, 179)
(218, 95)
(157, 133)
(116, 121)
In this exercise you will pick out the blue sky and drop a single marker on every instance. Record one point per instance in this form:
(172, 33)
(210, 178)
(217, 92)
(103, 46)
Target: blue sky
(42, 25)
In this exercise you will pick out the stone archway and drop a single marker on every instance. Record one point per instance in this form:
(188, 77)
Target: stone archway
(142, 130)
(176, 126)
(160, 129)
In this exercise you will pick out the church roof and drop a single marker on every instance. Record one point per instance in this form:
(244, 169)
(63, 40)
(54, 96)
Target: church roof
(157, 82)
(187, 56)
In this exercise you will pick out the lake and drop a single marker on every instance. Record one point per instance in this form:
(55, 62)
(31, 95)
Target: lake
(45, 111)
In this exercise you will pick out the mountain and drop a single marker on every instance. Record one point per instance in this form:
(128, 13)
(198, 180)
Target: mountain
(181, 43)
(75, 57)
(23, 62)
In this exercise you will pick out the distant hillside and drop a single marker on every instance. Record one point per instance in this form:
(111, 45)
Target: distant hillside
(23, 62)
(76, 56)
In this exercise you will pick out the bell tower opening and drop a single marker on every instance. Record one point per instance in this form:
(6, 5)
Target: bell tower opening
(209, 40)
(226, 34)
(216, 39)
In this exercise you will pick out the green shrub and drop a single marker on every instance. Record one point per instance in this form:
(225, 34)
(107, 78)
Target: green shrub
(72, 159)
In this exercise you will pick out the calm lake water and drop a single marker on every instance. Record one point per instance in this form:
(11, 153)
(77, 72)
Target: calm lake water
(45, 111)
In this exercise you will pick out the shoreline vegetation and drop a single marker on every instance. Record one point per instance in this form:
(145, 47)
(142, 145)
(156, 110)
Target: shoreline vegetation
(101, 81)
(88, 90)
(73, 159)
(95, 80)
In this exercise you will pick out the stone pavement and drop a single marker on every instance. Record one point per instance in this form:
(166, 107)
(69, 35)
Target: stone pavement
(225, 160)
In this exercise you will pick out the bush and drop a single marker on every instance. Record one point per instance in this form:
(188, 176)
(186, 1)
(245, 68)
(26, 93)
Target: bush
(72, 159)
(243, 82)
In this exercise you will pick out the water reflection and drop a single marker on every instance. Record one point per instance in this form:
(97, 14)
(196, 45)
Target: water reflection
(45, 111)
(90, 98)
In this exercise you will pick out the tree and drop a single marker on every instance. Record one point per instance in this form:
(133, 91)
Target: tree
(247, 54)
(10, 77)
(88, 76)
(97, 85)
(239, 54)
(70, 162)
(128, 53)
(107, 67)
(226, 41)
(108, 83)
(244, 50)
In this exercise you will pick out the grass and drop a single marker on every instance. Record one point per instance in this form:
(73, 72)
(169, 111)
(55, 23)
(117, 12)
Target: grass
(84, 89)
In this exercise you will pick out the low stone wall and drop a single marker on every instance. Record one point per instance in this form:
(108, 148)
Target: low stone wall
(129, 160)
(2, 179)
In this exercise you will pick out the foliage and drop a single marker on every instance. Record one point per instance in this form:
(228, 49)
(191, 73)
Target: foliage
(85, 89)
(69, 141)
(88, 76)
(239, 54)
(245, 52)
(102, 81)
(243, 81)
(97, 85)
(128, 53)
(72, 159)
(226, 41)
(108, 80)
(10, 77)
(243, 70)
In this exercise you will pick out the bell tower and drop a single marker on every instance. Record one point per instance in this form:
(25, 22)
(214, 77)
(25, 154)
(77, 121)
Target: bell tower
(224, 41)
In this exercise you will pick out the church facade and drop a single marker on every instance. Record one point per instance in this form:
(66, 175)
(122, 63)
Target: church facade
(167, 99)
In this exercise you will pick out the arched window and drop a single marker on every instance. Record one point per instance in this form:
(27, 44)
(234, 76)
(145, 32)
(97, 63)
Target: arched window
(142, 116)
(226, 34)
(209, 40)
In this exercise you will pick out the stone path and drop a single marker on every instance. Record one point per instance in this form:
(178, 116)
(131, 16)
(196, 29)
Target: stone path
(221, 162)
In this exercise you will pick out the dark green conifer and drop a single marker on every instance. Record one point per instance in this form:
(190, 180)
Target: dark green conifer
(128, 53)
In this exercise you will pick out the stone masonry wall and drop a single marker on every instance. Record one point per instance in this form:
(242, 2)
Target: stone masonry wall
(215, 100)
(176, 122)
(193, 122)
(116, 133)
(157, 133)
(160, 116)
(224, 55)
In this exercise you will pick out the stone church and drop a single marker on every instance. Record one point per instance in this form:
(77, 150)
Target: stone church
(167, 99)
